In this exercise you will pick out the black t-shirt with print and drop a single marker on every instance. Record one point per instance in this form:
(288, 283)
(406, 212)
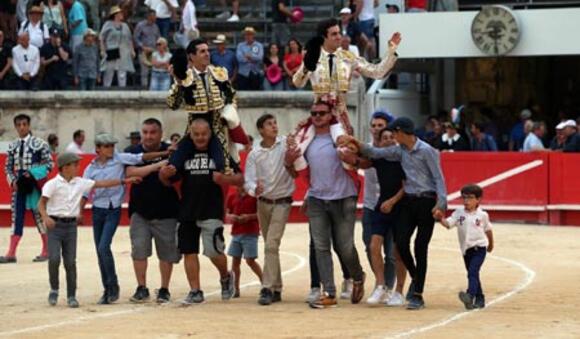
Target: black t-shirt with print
(390, 175)
(201, 197)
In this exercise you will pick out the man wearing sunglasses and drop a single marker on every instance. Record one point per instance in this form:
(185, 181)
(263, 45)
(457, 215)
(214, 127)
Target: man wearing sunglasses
(332, 197)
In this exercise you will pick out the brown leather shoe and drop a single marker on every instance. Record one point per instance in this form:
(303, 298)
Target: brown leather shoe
(325, 301)
(358, 290)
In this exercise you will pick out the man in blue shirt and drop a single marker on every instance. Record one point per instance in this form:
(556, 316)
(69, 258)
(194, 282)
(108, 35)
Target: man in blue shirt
(517, 134)
(250, 54)
(481, 141)
(107, 205)
(425, 199)
(224, 57)
(77, 20)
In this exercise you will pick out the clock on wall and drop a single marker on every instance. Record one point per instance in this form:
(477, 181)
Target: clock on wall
(495, 30)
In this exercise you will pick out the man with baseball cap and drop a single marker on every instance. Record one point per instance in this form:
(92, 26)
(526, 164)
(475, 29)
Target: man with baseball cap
(570, 130)
(424, 201)
(109, 164)
(53, 57)
(224, 57)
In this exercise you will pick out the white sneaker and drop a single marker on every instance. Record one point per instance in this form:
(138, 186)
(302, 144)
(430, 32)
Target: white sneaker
(223, 15)
(378, 296)
(396, 299)
(315, 294)
(234, 18)
(346, 289)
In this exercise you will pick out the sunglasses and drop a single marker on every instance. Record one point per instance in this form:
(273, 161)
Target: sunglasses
(318, 113)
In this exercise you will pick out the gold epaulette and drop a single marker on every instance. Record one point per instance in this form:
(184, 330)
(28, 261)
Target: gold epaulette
(348, 55)
(188, 78)
(219, 73)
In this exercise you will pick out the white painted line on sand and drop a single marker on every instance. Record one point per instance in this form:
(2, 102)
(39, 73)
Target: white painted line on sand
(529, 278)
(301, 264)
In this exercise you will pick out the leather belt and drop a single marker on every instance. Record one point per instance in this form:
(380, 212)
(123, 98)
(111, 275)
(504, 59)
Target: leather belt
(64, 219)
(285, 200)
(432, 195)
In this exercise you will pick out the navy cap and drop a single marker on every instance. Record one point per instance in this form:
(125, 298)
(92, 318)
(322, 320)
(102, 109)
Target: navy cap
(54, 32)
(383, 114)
(403, 124)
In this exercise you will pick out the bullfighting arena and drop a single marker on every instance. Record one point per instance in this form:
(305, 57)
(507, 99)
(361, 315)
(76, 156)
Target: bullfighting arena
(530, 282)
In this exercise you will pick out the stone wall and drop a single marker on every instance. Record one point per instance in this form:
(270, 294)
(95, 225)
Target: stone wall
(119, 112)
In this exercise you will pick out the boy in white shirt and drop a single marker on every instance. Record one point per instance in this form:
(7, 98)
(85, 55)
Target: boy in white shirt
(60, 209)
(475, 238)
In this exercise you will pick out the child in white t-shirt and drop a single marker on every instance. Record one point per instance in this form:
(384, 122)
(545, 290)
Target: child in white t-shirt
(475, 239)
(60, 207)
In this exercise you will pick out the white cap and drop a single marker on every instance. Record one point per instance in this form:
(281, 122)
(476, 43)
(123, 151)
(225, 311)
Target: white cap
(569, 123)
(345, 10)
(560, 126)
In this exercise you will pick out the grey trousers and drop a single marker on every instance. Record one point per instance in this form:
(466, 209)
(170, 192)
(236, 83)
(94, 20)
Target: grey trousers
(328, 218)
(63, 239)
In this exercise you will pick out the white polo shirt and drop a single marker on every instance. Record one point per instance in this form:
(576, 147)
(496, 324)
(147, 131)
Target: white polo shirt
(64, 197)
(160, 8)
(38, 33)
(471, 227)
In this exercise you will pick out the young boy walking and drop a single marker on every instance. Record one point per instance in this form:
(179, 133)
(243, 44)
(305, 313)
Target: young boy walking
(242, 210)
(475, 239)
(60, 209)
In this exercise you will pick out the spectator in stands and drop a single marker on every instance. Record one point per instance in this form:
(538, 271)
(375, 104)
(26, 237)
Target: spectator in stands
(77, 20)
(444, 5)
(8, 22)
(559, 139)
(416, 6)
(21, 8)
(36, 29)
(366, 22)
(224, 57)
(93, 11)
(53, 143)
(346, 45)
(188, 29)
(160, 79)
(164, 9)
(250, 54)
(273, 69)
(349, 27)
(481, 141)
(451, 140)
(226, 14)
(55, 17)
(432, 131)
(117, 48)
(76, 146)
(86, 62)
(174, 139)
(26, 63)
(533, 141)
(518, 135)
(54, 57)
(292, 60)
(572, 137)
(5, 62)
(145, 38)
(569, 128)
(280, 15)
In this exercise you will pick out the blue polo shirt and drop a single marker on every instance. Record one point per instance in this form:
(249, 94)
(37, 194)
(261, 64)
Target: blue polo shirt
(226, 60)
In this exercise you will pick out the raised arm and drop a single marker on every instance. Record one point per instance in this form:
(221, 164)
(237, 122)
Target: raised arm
(382, 69)
(391, 153)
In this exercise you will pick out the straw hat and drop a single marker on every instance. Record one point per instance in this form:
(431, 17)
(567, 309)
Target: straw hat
(220, 39)
(114, 10)
(35, 9)
(249, 30)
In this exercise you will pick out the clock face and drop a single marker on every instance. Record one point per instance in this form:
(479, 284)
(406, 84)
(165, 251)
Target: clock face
(495, 30)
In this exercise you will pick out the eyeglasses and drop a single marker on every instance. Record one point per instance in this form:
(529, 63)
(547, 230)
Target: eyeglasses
(318, 113)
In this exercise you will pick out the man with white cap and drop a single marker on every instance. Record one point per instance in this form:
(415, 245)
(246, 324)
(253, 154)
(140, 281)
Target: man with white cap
(224, 57)
(559, 139)
(250, 54)
(572, 143)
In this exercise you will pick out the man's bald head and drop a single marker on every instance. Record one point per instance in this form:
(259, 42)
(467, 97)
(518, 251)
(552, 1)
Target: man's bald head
(200, 133)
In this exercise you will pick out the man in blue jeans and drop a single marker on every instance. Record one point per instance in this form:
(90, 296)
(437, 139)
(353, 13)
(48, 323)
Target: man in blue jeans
(107, 205)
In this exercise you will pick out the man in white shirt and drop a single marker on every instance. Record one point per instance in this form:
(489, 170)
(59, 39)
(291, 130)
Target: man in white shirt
(533, 141)
(164, 9)
(25, 63)
(76, 145)
(188, 30)
(269, 177)
(36, 29)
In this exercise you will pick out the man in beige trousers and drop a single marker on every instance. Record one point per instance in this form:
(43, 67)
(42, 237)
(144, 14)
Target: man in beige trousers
(269, 177)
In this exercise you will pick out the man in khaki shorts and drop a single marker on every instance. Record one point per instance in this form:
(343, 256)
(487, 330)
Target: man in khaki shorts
(153, 208)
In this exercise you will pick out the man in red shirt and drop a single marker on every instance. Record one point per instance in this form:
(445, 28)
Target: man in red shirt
(241, 210)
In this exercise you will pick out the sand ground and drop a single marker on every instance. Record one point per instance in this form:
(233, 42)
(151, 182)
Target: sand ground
(531, 283)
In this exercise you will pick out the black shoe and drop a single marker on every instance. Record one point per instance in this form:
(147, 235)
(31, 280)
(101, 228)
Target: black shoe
(7, 260)
(236, 294)
(410, 291)
(52, 298)
(466, 299)
(141, 295)
(228, 286)
(265, 297)
(277, 297)
(40, 258)
(479, 301)
(104, 300)
(416, 302)
(113, 293)
(163, 296)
